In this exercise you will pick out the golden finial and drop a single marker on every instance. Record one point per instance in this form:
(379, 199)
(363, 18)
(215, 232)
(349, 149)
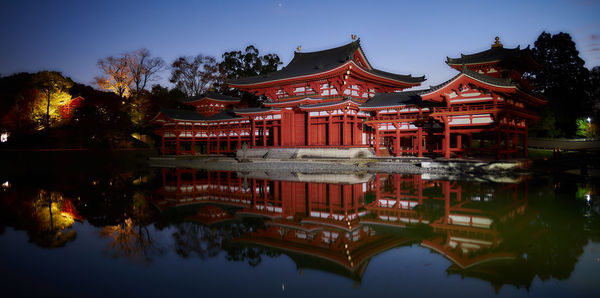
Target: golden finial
(353, 36)
(497, 43)
(299, 48)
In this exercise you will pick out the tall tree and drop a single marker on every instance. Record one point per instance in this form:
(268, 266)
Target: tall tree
(238, 64)
(128, 74)
(143, 69)
(194, 75)
(563, 80)
(117, 75)
(54, 88)
(594, 91)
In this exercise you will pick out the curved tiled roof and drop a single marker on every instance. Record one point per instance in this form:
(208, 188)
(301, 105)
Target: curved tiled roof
(329, 103)
(395, 99)
(502, 82)
(492, 55)
(321, 61)
(195, 116)
(211, 95)
(254, 110)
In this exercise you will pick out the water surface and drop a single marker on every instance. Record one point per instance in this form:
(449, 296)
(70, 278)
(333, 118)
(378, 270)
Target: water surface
(182, 232)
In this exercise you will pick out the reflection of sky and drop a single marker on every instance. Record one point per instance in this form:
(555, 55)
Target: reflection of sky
(82, 269)
(403, 37)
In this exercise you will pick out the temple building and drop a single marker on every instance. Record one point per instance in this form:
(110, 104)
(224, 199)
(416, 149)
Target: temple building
(334, 99)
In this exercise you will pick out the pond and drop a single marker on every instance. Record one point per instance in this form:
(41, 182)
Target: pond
(159, 232)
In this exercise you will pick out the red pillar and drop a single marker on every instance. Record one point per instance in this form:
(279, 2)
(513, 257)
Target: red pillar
(343, 139)
(275, 134)
(329, 129)
(163, 144)
(177, 151)
(308, 130)
(264, 131)
(420, 141)
(397, 140)
(253, 132)
(446, 138)
(376, 139)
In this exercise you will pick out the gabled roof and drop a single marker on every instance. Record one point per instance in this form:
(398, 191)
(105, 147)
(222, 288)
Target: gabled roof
(292, 102)
(505, 84)
(494, 54)
(500, 82)
(311, 63)
(394, 99)
(187, 115)
(329, 104)
(256, 111)
(211, 95)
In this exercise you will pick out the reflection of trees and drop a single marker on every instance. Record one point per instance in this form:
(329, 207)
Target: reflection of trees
(53, 225)
(43, 214)
(132, 238)
(546, 240)
(199, 240)
(551, 242)
(194, 239)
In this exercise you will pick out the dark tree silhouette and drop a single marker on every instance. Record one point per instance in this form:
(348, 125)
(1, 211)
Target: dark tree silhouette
(194, 75)
(563, 80)
(238, 64)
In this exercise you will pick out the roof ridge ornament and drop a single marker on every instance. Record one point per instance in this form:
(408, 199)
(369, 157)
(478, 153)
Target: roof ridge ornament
(353, 36)
(299, 48)
(497, 43)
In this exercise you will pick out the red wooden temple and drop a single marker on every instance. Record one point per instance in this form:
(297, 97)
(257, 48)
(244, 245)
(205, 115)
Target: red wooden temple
(335, 99)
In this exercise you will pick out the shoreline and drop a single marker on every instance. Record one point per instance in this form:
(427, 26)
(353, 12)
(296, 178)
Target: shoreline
(450, 169)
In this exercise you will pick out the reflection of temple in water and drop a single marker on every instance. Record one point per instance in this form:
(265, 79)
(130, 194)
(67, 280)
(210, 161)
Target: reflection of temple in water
(340, 225)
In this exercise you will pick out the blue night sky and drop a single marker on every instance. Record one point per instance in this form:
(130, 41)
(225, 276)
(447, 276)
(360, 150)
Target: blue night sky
(412, 37)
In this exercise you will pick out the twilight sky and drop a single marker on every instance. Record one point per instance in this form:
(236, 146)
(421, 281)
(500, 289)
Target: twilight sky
(406, 37)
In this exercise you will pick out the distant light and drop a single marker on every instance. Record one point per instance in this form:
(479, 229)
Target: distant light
(589, 120)
(4, 137)
(6, 184)
(588, 197)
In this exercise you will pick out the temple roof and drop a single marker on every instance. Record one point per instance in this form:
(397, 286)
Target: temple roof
(502, 82)
(322, 61)
(394, 99)
(328, 104)
(494, 54)
(195, 116)
(211, 95)
(258, 110)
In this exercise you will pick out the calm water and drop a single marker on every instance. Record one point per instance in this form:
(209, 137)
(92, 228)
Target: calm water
(181, 233)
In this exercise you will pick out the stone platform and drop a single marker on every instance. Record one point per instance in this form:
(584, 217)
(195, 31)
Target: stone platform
(305, 153)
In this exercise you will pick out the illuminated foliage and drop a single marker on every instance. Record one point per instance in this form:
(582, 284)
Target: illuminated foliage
(46, 110)
(586, 128)
(132, 237)
(117, 75)
(127, 75)
(53, 88)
